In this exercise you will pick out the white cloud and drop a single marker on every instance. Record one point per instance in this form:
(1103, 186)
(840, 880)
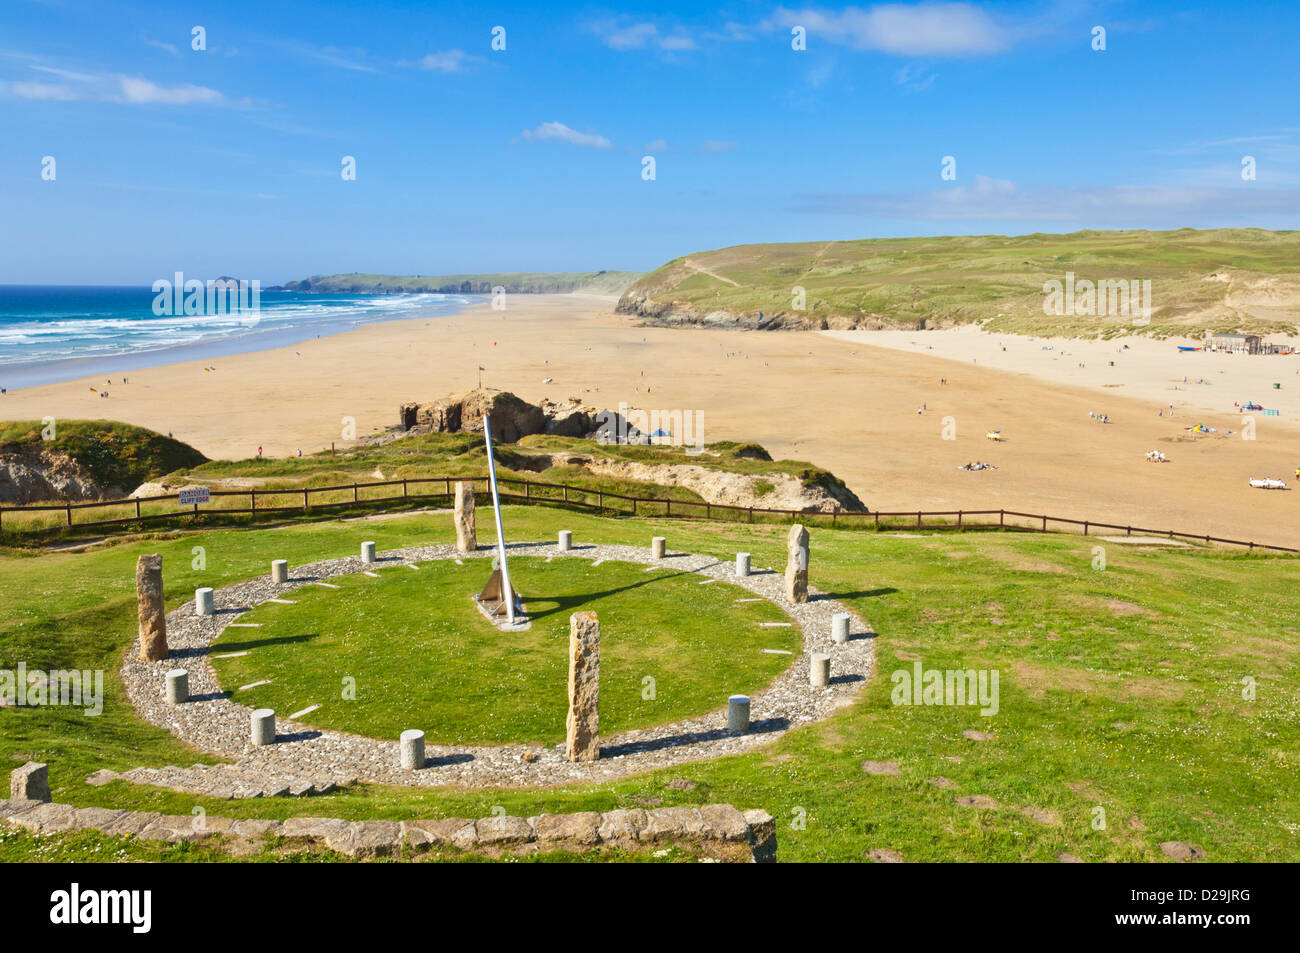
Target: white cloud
(657, 145)
(559, 132)
(136, 90)
(717, 145)
(448, 61)
(926, 29)
(110, 88)
(622, 34)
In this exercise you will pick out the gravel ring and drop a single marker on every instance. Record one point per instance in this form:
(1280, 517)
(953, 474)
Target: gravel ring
(212, 722)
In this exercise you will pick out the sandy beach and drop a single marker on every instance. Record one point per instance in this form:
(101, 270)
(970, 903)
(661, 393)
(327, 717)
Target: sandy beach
(846, 401)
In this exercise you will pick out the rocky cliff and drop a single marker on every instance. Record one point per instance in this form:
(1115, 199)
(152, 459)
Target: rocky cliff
(43, 475)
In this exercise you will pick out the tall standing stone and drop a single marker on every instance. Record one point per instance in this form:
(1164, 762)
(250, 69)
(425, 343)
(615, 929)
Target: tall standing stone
(583, 724)
(796, 564)
(149, 601)
(466, 537)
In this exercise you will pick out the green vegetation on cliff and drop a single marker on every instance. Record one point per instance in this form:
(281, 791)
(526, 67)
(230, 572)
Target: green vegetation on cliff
(593, 282)
(112, 454)
(1222, 279)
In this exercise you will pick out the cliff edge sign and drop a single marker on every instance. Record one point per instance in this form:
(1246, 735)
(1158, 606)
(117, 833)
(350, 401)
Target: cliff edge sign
(195, 497)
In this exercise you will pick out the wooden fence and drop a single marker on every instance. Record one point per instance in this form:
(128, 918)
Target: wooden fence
(422, 489)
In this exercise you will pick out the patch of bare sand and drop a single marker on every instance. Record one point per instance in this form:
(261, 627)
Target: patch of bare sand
(804, 396)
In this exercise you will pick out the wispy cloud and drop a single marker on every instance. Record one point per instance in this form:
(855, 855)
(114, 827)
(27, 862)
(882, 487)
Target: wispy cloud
(717, 145)
(915, 78)
(166, 47)
(1121, 206)
(109, 88)
(925, 29)
(625, 34)
(559, 132)
(448, 61)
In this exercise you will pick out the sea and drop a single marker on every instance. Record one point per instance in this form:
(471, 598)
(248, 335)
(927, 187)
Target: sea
(51, 333)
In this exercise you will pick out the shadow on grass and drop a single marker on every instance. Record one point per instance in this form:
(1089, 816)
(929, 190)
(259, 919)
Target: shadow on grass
(765, 726)
(220, 648)
(571, 603)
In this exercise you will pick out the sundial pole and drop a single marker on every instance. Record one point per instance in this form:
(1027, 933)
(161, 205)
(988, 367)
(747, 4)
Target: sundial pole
(508, 591)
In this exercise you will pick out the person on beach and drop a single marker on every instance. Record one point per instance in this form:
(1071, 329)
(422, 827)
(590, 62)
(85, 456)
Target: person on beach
(259, 453)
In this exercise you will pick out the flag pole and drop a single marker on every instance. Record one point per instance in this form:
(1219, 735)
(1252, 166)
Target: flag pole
(507, 591)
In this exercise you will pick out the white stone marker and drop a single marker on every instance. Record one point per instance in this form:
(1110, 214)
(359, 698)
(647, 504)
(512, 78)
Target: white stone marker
(367, 552)
(840, 627)
(738, 714)
(742, 564)
(566, 541)
(203, 601)
(279, 570)
(263, 726)
(412, 749)
(819, 672)
(178, 686)
(658, 546)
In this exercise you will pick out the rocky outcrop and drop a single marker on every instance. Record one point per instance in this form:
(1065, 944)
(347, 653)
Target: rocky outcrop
(511, 416)
(43, 475)
(780, 491)
(714, 831)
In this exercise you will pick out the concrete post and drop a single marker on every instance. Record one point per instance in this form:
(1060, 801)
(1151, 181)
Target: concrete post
(742, 564)
(263, 726)
(367, 552)
(412, 741)
(738, 714)
(203, 601)
(566, 541)
(279, 570)
(178, 686)
(819, 672)
(840, 627)
(658, 546)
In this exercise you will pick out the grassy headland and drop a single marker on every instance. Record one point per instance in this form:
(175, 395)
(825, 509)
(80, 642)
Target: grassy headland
(1213, 280)
(593, 282)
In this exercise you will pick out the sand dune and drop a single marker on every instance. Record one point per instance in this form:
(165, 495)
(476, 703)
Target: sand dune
(833, 399)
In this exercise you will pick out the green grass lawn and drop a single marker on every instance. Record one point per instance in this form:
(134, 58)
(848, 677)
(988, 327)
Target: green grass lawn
(423, 656)
(1121, 689)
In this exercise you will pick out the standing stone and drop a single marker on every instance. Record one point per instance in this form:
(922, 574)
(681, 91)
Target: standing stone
(658, 546)
(279, 571)
(466, 538)
(412, 741)
(819, 671)
(566, 540)
(742, 564)
(178, 686)
(31, 782)
(840, 627)
(738, 714)
(262, 726)
(796, 564)
(149, 600)
(583, 723)
(367, 552)
(203, 601)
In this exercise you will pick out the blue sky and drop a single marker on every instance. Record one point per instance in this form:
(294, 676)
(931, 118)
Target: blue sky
(227, 160)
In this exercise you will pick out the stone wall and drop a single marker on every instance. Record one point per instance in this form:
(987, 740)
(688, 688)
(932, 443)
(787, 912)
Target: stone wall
(715, 831)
